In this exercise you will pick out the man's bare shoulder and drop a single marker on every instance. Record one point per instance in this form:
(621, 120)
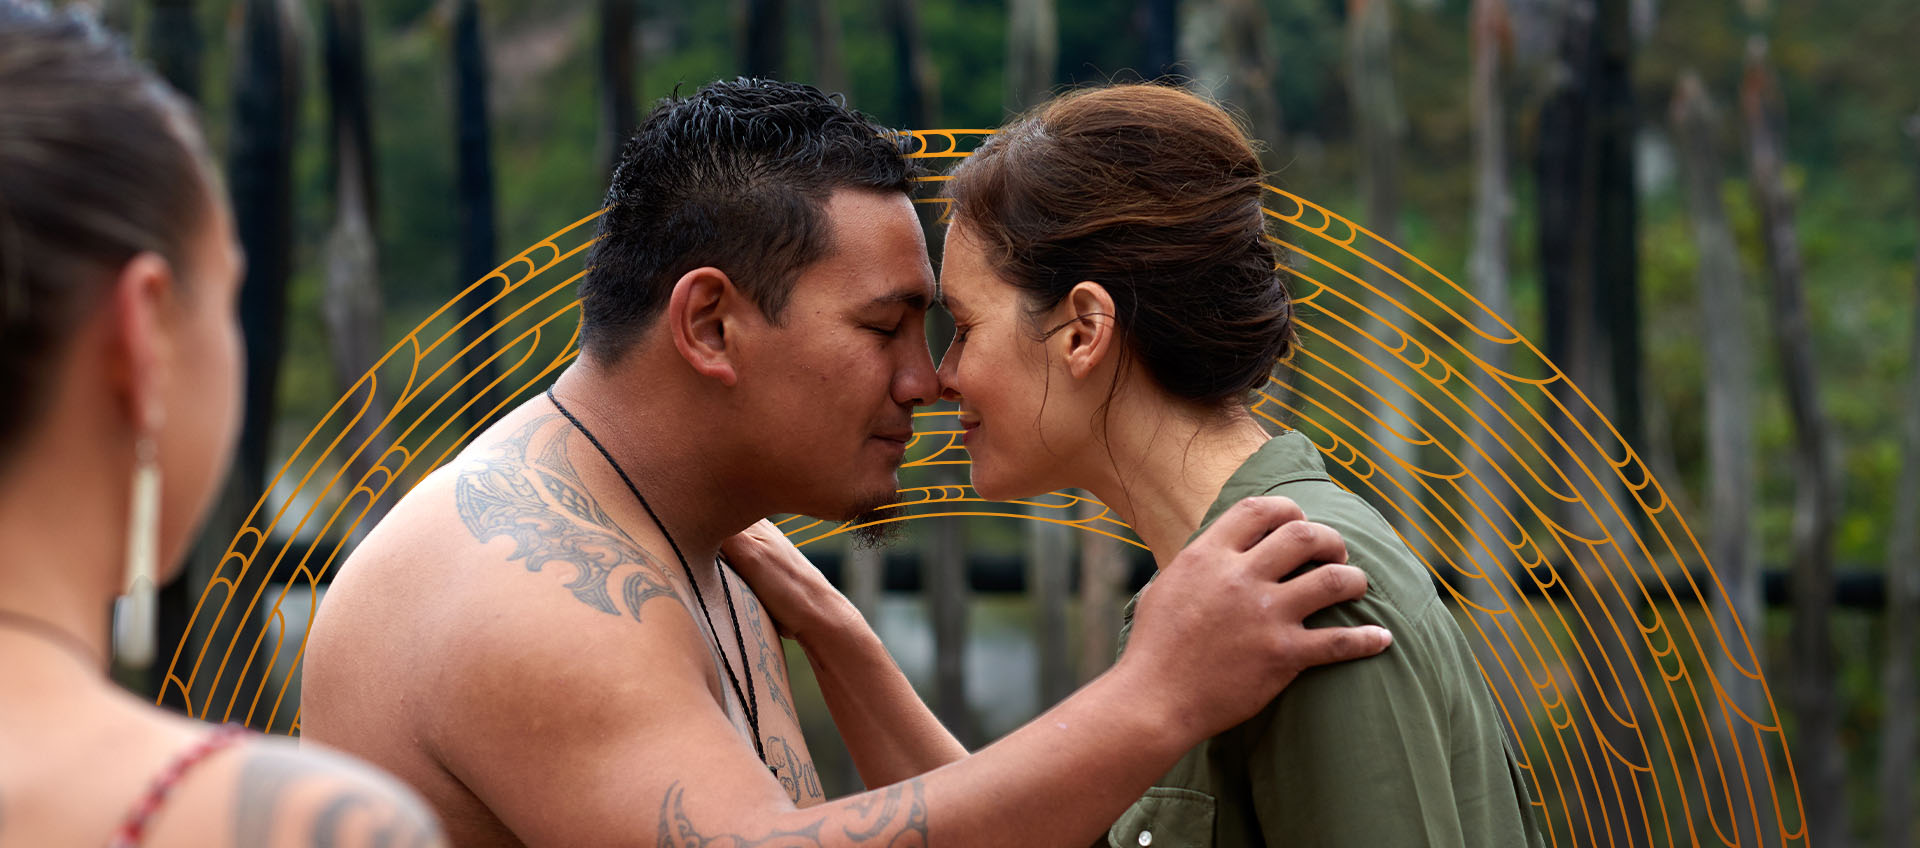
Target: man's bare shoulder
(503, 580)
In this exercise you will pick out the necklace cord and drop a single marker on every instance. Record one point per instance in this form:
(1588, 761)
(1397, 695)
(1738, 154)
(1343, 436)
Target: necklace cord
(50, 633)
(747, 698)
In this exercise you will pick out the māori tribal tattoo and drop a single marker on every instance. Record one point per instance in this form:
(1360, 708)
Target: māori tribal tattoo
(769, 655)
(797, 774)
(496, 497)
(894, 817)
(282, 791)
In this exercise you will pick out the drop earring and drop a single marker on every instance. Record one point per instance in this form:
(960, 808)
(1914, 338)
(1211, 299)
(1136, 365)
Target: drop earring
(134, 612)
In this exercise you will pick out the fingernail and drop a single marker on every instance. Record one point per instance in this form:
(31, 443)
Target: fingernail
(1386, 636)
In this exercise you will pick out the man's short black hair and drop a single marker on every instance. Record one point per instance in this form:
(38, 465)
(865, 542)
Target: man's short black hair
(734, 177)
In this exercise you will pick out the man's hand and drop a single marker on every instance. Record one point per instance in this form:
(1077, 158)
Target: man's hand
(1220, 625)
(794, 592)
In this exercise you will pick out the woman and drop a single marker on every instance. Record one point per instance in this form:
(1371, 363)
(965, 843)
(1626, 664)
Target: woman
(120, 372)
(1115, 304)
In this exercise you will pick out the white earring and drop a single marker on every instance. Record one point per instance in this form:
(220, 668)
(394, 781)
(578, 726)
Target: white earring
(134, 612)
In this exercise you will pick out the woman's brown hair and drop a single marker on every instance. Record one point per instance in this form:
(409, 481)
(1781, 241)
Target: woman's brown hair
(99, 162)
(1154, 193)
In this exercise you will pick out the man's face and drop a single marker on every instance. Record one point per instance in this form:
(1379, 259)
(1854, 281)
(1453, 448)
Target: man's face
(833, 386)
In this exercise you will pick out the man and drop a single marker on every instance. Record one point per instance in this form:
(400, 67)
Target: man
(539, 636)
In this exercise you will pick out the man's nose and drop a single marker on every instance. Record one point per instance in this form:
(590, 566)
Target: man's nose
(916, 384)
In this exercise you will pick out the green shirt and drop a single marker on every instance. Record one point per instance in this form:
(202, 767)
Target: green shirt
(1401, 749)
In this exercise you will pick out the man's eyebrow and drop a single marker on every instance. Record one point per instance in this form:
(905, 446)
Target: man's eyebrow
(912, 299)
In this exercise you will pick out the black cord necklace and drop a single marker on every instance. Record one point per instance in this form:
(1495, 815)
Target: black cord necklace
(47, 632)
(747, 701)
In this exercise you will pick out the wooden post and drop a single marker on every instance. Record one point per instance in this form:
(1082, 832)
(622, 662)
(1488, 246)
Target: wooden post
(352, 309)
(1049, 573)
(765, 38)
(474, 193)
(1033, 51)
(1103, 576)
(617, 80)
(173, 40)
(829, 59)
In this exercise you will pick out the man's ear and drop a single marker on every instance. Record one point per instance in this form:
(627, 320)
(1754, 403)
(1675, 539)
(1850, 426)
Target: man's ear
(142, 339)
(1088, 334)
(703, 316)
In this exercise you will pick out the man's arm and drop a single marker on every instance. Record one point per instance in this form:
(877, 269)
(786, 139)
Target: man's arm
(582, 729)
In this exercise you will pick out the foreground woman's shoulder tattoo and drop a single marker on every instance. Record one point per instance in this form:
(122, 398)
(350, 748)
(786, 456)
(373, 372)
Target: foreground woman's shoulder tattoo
(289, 796)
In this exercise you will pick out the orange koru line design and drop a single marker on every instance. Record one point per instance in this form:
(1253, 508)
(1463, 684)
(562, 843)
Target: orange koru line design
(1638, 708)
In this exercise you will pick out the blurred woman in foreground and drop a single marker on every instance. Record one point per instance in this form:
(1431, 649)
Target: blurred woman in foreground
(120, 365)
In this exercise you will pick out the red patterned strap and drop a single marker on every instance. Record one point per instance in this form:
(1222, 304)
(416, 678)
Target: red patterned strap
(133, 828)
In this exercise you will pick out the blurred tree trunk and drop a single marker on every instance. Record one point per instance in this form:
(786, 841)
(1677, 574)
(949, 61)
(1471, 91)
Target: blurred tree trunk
(1903, 602)
(1380, 128)
(1103, 582)
(1158, 24)
(1487, 266)
(1033, 52)
(829, 59)
(766, 38)
(1230, 45)
(617, 81)
(353, 309)
(260, 179)
(1815, 689)
(1730, 444)
(919, 91)
(474, 197)
(173, 40)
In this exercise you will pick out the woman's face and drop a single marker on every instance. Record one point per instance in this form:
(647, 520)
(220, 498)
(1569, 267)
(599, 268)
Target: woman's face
(1025, 418)
(200, 398)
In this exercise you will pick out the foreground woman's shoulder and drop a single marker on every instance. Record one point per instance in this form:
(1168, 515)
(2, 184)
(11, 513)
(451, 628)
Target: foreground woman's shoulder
(272, 792)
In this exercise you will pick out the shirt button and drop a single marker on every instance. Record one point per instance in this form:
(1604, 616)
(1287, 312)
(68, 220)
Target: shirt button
(1146, 838)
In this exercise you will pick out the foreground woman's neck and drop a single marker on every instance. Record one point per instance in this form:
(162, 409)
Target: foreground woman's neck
(63, 526)
(1166, 473)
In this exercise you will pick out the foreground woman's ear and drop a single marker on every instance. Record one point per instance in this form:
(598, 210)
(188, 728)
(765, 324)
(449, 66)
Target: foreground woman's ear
(1087, 329)
(142, 350)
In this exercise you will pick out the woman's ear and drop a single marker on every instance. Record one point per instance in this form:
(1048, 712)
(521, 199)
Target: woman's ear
(142, 339)
(701, 315)
(1088, 333)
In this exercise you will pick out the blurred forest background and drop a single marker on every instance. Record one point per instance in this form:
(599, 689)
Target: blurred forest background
(1706, 212)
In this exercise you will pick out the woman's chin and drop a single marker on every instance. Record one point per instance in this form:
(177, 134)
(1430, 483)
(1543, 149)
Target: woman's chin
(995, 488)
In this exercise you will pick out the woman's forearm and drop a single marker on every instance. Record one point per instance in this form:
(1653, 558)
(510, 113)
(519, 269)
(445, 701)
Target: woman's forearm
(888, 730)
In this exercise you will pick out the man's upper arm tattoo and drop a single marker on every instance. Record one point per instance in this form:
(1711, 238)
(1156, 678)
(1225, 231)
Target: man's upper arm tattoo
(894, 817)
(770, 655)
(496, 497)
(292, 793)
